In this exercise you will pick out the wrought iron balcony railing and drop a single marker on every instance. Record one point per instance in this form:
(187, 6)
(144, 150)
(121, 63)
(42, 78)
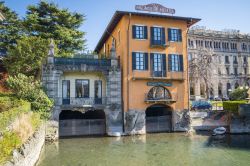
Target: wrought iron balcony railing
(79, 61)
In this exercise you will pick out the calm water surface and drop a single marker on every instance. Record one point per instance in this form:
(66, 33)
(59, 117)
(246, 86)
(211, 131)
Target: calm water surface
(150, 150)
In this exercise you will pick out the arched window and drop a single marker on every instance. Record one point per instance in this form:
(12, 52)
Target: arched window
(158, 93)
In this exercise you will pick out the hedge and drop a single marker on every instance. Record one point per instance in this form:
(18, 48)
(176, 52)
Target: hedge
(233, 106)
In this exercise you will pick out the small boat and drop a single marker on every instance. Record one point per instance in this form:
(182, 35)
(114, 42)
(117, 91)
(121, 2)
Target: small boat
(219, 131)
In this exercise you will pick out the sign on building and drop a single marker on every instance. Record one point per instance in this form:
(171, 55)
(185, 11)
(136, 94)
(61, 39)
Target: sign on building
(154, 7)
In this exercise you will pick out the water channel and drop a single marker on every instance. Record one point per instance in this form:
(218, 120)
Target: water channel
(165, 149)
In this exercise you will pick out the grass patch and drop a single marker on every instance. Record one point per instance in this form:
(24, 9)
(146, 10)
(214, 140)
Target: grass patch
(217, 103)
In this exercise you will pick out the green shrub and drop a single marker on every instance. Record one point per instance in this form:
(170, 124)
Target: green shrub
(27, 88)
(8, 101)
(232, 106)
(238, 94)
(8, 143)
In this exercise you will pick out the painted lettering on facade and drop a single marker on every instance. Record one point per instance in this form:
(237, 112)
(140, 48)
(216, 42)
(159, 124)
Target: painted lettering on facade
(154, 7)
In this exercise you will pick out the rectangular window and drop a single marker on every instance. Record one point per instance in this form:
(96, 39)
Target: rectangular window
(157, 36)
(226, 59)
(235, 60)
(175, 62)
(227, 70)
(245, 71)
(98, 91)
(175, 35)
(158, 62)
(235, 71)
(82, 88)
(66, 91)
(139, 32)
(139, 61)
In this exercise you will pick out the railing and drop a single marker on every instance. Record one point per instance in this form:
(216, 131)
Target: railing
(79, 61)
(80, 101)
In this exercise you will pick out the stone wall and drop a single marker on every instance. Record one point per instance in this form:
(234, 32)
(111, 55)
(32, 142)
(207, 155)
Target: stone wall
(181, 120)
(29, 153)
(208, 120)
(135, 122)
(240, 125)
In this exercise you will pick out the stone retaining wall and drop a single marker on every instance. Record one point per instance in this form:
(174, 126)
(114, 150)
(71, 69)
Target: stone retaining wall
(29, 153)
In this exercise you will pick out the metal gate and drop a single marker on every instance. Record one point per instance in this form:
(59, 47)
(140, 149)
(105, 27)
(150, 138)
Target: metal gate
(82, 127)
(156, 124)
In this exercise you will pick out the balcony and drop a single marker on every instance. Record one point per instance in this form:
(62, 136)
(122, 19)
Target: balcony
(160, 75)
(80, 102)
(80, 61)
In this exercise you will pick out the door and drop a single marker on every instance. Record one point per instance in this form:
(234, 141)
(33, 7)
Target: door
(66, 92)
(98, 92)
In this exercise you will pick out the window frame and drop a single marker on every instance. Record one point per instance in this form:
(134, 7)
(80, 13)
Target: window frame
(176, 35)
(140, 59)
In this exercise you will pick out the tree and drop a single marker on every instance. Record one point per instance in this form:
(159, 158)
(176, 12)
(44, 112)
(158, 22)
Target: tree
(48, 21)
(239, 94)
(27, 56)
(10, 28)
(28, 89)
(201, 67)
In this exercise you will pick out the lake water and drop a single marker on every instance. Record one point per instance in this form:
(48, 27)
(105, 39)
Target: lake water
(168, 149)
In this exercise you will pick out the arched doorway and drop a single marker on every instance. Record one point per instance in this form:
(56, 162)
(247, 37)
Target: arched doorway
(158, 118)
(75, 123)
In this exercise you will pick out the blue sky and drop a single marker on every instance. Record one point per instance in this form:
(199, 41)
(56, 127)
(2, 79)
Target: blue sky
(215, 14)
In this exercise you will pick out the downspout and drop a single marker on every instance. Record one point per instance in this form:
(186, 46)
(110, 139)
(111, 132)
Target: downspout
(188, 70)
(128, 66)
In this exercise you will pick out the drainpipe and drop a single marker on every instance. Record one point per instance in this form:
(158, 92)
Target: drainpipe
(188, 71)
(128, 65)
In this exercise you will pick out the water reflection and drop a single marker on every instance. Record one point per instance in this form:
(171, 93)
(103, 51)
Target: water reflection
(152, 149)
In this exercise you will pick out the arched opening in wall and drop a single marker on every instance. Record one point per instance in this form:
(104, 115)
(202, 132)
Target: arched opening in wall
(158, 118)
(236, 85)
(220, 90)
(75, 123)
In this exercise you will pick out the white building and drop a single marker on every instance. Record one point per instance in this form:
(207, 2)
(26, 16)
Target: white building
(231, 53)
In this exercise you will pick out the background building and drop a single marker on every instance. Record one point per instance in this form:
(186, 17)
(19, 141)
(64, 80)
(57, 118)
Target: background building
(230, 52)
(152, 49)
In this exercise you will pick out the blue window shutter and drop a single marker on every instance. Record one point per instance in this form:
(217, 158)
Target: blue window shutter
(145, 32)
(164, 65)
(146, 60)
(179, 35)
(163, 36)
(169, 34)
(133, 61)
(181, 62)
(152, 35)
(134, 32)
(152, 62)
(169, 62)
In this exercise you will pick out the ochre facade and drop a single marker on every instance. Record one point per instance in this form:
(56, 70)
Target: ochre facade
(134, 82)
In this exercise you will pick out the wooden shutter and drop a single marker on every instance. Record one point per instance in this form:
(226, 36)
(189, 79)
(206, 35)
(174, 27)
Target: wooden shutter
(164, 65)
(134, 31)
(133, 61)
(181, 62)
(179, 35)
(145, 32)
(163, 36)
(146, 60)
(169, 34)
(169, 62)
(152, 35)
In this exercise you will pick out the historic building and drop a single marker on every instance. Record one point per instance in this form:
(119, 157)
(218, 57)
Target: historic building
(231, 54)
(86, 93)
(152, 50)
